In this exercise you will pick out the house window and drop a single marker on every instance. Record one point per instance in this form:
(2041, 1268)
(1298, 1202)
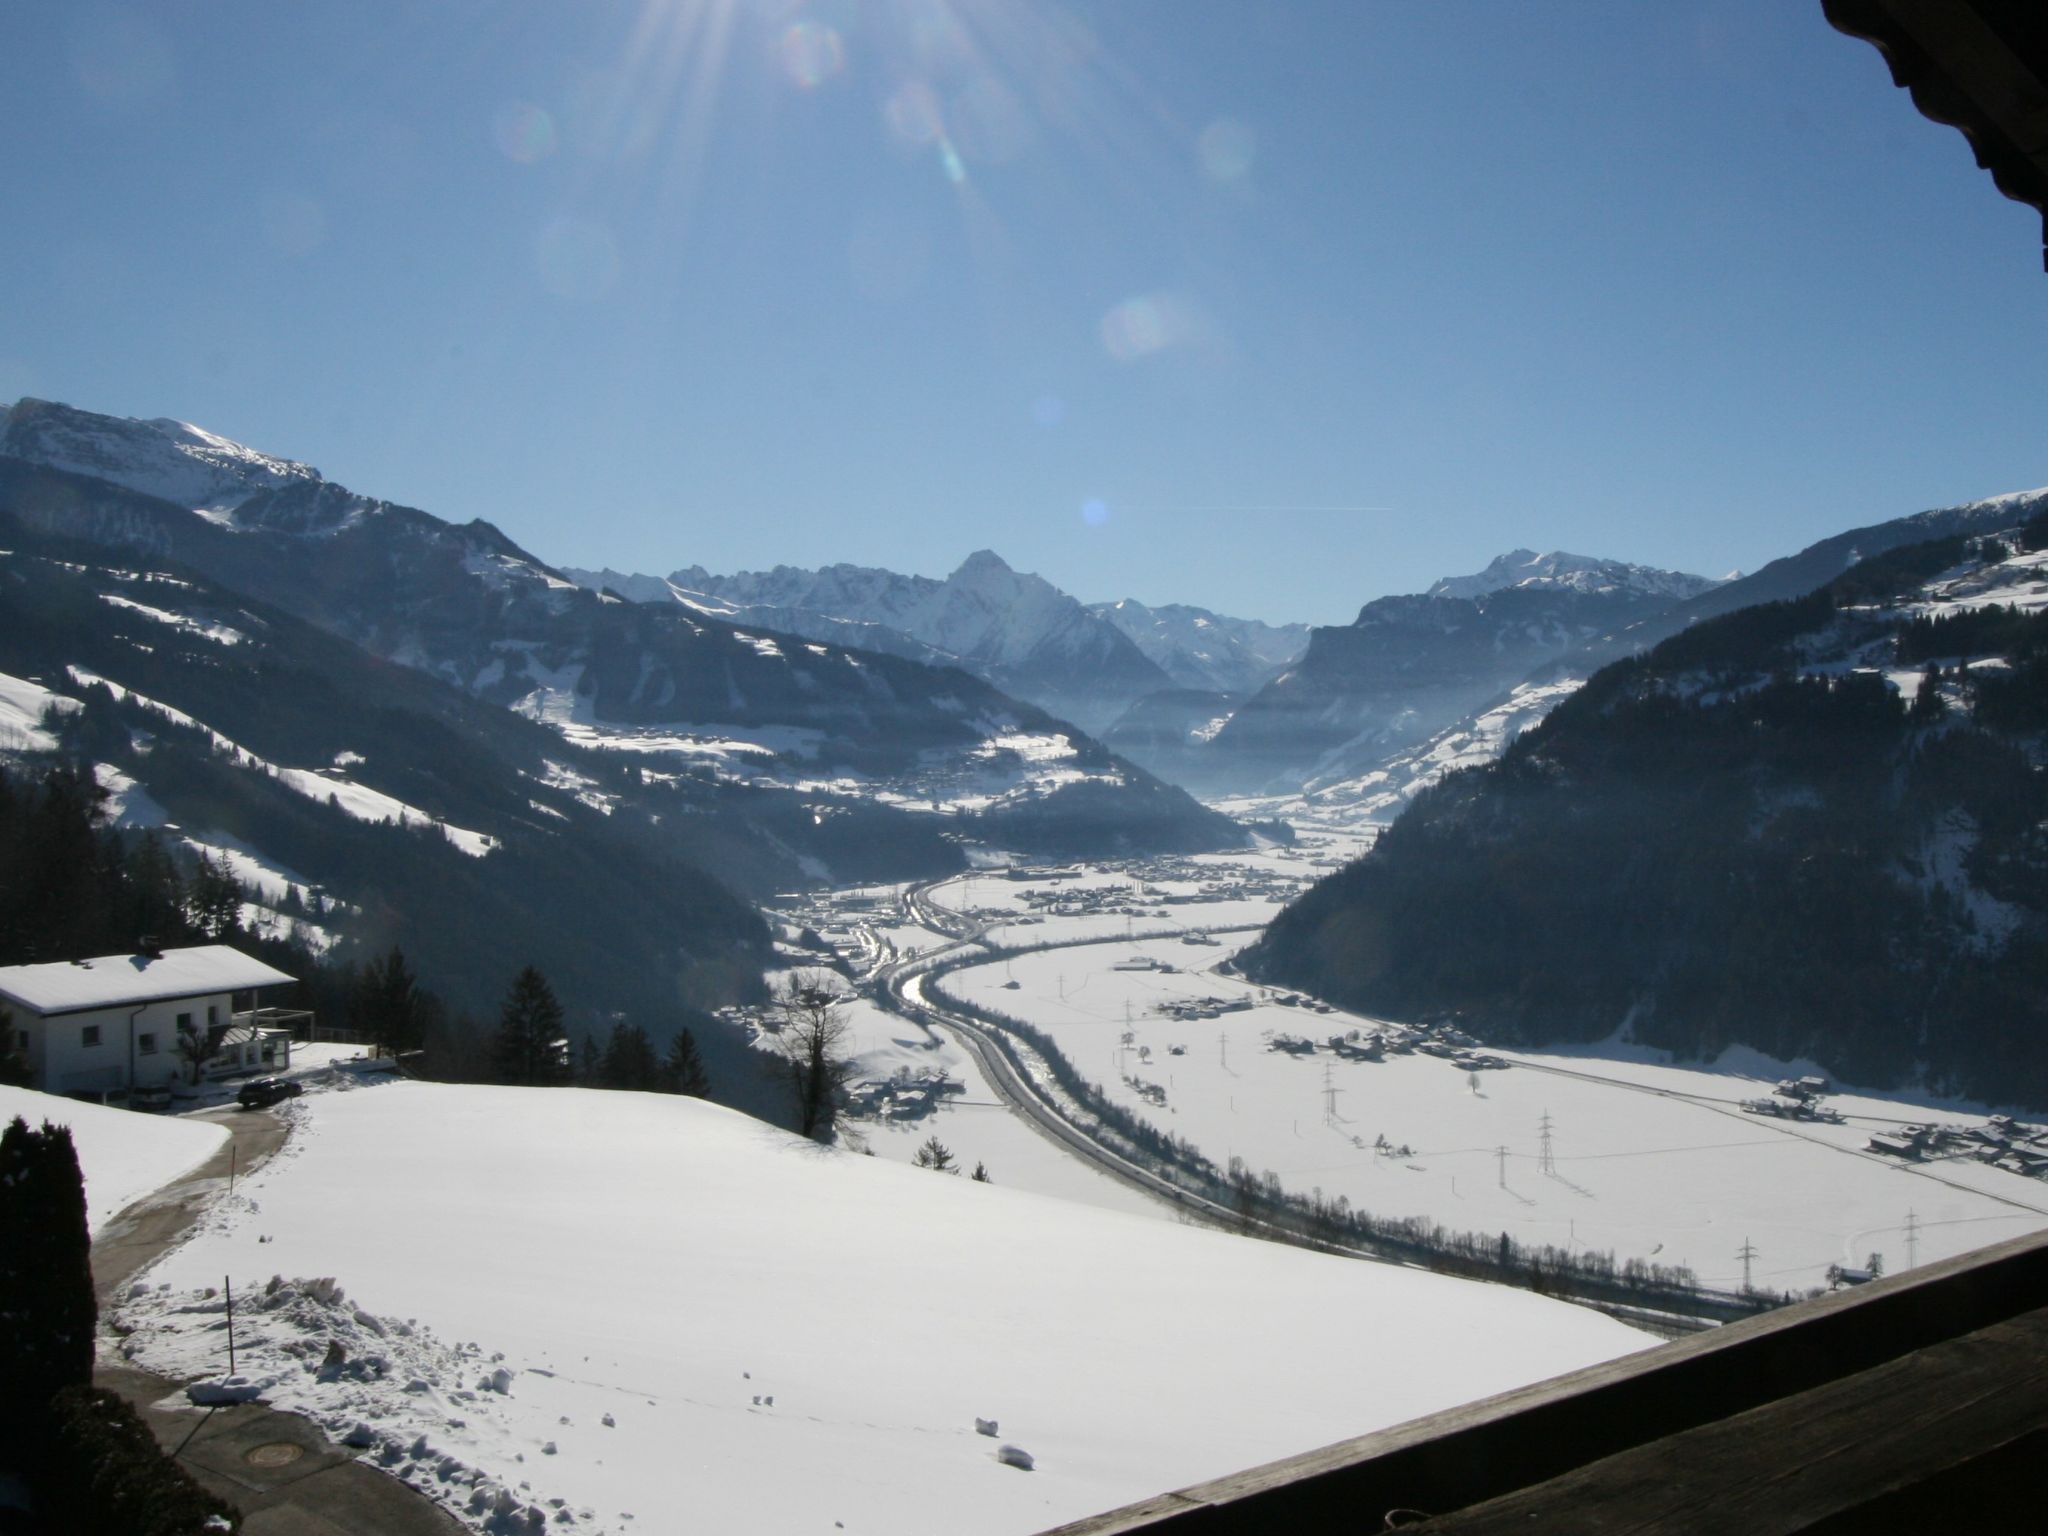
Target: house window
(90, 1035)
(212, 1014)
(185, 1022)
(146, 1044)
(21, 1041)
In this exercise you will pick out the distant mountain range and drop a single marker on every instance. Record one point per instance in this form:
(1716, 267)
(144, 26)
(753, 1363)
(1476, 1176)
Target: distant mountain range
(1085, 663)
(858, 742)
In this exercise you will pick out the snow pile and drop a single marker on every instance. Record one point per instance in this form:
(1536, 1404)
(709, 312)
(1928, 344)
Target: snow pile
(386, 1386)
(741, 1303)
(124, 1155)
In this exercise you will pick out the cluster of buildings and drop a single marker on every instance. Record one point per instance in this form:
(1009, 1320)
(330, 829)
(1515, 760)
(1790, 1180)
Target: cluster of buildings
(2001, 1141)
(1795, 1098)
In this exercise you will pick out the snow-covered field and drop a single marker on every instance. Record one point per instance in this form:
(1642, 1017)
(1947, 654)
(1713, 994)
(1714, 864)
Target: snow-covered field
(1648, 1160)
(123, 1155)
(707, 1324)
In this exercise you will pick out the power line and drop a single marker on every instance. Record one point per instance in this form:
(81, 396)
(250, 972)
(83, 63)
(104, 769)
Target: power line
(1912, 1239)
(1546, 1160)
(1748, 1256)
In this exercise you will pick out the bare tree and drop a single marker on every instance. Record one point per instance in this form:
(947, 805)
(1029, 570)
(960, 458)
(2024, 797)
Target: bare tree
(814, 1041)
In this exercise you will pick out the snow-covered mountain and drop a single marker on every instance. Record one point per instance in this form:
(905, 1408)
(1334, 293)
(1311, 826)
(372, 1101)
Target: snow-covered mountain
(172, 460)
(674, 683)
(1560, 572)
(1209, 652)
(1010, 628)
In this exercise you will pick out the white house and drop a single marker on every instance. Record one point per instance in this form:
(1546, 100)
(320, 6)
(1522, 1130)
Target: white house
(102, 1027)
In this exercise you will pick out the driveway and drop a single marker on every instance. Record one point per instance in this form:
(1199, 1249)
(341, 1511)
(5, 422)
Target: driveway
(286, 1477)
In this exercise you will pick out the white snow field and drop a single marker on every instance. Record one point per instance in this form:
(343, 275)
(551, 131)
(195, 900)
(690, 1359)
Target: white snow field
(1651, 1161)
(123, 1155)
(707, 1324)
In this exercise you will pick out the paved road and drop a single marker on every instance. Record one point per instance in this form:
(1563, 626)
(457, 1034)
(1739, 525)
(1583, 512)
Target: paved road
(899, 989)
(299, 1482)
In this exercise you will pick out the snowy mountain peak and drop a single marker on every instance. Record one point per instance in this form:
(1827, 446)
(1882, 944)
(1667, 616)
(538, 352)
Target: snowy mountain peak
(171, 460)
(1562, 572)
(981, 565)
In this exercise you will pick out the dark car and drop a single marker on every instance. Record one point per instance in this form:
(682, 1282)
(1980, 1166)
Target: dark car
(262, 1092)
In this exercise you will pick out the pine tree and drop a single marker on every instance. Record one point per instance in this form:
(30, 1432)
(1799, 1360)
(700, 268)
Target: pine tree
(386, 1004)
(981, 1173)
(629, 1060)
(215, 901)
(683, 1072)
(530, 1049)
(935, 1155)
(47, 1309)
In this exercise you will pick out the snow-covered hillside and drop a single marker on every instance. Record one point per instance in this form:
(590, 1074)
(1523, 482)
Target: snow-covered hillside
(698, 1322)
(123, 1155)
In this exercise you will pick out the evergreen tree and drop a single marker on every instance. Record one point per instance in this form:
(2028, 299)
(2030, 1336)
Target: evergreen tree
(386, 1004)
(156, 892)
(589, 1062)
(683, 1072)
(935, 1155)
(981, 1173)
(531, 1050)
(47, 1309)
(629, 1060)
(215, 902)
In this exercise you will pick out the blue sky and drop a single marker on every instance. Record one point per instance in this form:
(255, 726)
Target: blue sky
(1270, 307)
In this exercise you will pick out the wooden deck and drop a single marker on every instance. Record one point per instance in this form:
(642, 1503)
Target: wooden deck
(1924, 1392)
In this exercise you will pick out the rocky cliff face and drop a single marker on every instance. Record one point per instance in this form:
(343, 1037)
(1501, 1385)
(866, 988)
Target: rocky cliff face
(1412, 665)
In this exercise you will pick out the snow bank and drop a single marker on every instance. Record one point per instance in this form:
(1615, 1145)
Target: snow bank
(690, 1304)
(123, 1154)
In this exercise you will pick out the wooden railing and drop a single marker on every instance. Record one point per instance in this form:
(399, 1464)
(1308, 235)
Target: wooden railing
(1858, 1361)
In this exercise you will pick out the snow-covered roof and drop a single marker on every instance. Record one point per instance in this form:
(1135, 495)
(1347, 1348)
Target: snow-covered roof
(65, 986)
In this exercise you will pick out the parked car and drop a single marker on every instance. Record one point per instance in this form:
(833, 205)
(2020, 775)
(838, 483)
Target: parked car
(155, 1096)
(262, 1092)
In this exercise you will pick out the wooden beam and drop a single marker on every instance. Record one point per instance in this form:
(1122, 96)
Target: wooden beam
(1817, 1457)
(1492, 1448)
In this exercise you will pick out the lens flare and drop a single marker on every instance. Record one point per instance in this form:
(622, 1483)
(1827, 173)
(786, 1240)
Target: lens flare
(810, 53)
(1142, 326)
(1094, 512)
(913, 114)
(523, 132)
(1226, 149)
